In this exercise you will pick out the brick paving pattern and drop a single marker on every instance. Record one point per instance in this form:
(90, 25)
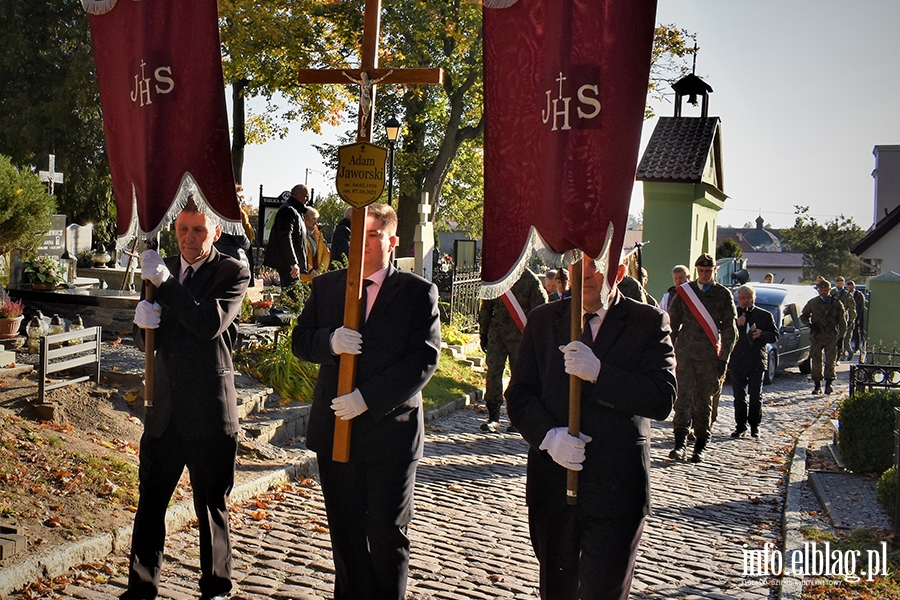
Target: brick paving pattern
(470, 535)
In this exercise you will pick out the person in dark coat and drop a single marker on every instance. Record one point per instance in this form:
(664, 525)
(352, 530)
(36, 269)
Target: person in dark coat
(749, 360)
(369, 499)
(286, 249)
(340, 241)
(587, 551)
(193, 421)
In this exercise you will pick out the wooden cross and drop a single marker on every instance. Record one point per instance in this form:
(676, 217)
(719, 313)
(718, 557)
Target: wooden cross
(368, 76)
(51, 176)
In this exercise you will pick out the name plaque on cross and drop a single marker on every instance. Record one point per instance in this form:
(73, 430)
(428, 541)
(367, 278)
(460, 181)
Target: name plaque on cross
(360, 173)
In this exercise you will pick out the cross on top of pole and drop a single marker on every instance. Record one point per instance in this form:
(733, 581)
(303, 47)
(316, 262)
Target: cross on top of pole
(366, 77)
(50, 176)
(369, 75)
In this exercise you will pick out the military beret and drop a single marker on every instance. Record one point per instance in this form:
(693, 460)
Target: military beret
(704, 260)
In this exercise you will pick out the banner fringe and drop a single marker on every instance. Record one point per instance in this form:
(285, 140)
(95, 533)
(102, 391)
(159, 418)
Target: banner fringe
(98, 7)
(187, 187)
(535, 245)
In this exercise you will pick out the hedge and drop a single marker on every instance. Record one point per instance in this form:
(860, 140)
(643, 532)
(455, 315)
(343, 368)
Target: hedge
(866, 436)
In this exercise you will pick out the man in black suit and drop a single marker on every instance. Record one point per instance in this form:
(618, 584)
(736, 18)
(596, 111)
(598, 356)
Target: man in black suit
(749, 359)
(588, 550)
(369, 500)
(340, 240)
(286, 248)
(193, 421)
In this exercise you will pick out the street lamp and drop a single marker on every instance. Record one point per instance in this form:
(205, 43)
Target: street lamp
(393, 130)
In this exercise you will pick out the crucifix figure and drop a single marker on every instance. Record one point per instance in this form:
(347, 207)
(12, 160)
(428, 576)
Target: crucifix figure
(367, 77)
(50, 176)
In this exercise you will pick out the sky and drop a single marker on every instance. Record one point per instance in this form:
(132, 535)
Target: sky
(804, 89)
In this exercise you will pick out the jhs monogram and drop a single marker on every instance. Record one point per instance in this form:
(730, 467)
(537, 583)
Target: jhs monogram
(142, 90)
(558, 108)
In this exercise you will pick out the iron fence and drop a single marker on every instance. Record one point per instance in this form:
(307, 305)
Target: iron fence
(881, 370)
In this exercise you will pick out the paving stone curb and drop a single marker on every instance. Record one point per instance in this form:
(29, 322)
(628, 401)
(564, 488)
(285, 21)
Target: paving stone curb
(791, 586)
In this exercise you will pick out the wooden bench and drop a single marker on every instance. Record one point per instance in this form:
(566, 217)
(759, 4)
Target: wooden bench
(56, 359)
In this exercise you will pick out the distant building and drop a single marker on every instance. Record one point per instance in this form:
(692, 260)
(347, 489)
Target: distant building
(752, 240)
(786, 266)
(879, 250)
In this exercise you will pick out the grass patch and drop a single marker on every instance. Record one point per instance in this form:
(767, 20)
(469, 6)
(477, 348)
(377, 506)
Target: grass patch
(451, 380)
(859, 542)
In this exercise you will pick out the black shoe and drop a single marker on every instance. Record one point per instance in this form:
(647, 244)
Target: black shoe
(754, 431)
(680, 449)
(678, 453)
(739, 432)
(817, 388)
(699, 449)
(828, 388)
(491, 426)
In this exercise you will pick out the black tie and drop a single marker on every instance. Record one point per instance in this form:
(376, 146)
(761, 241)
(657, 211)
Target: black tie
(188, 274)
(587, 335)
(365, 299)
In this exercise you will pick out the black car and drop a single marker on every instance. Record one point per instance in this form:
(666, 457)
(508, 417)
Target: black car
(785, 302)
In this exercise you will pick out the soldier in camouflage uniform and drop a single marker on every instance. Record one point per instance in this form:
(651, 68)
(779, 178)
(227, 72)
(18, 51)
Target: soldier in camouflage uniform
(500, 338)
(827, 322)
(846, 297)
(700, 368)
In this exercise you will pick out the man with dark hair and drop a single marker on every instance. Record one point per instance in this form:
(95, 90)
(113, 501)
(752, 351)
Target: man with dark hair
(340, 241)
(369, 499)
(286, 249)
(193, 421)
(858, 339)
(703, 316)
(626, 365)
(842, 293)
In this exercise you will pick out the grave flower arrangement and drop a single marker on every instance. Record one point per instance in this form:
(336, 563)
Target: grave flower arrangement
(45, 270)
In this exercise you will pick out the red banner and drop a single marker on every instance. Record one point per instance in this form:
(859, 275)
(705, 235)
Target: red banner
(159, 69)
(565, 86)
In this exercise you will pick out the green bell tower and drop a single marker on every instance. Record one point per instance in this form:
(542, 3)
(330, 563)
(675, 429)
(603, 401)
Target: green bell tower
(681, 170)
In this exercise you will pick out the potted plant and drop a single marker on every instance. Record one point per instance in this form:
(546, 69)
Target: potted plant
(10, 316)
(261, 307)
(45, 272)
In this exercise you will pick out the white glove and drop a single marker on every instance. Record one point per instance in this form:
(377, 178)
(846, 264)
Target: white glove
(345, 341)
(146, 315)
(153, 269)
(349, 405)
(581, 361)
(565, 450)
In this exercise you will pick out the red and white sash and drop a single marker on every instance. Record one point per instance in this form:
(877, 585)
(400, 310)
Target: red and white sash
(701, 314)
(515, 310)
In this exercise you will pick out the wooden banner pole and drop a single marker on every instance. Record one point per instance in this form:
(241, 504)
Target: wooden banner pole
(575, 381)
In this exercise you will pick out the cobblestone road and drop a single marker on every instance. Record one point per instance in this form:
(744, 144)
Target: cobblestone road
(470, 536)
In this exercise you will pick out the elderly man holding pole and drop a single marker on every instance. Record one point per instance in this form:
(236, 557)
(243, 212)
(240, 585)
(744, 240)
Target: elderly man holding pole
(193, 421)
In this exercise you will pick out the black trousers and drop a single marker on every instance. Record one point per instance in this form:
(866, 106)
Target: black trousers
(584, 558)
(742, 385)
(210, 463)
(369, 503)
